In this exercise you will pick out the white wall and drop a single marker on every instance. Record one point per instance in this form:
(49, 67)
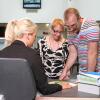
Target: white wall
(10, 9)
(88, 8)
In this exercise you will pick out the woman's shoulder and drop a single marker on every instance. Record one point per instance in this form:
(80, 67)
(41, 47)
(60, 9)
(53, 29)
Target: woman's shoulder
(65, 44)
(33, 51)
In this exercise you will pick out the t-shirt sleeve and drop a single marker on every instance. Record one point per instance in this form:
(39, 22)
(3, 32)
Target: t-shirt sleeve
(92, 31)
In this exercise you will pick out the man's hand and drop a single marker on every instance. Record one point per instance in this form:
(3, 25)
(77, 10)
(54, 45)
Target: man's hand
(64, 75)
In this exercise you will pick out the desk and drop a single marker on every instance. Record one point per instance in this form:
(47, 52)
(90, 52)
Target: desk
(73, 92)
(68, 93)
(56, 98)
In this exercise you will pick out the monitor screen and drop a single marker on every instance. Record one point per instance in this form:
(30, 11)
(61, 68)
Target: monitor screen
(2, 31)
(32, 4)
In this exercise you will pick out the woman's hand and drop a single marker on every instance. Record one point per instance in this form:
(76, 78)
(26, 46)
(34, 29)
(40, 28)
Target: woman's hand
(65, 85)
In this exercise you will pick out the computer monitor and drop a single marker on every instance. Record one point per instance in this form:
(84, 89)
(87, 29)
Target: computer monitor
(2, 31)
(32, 4)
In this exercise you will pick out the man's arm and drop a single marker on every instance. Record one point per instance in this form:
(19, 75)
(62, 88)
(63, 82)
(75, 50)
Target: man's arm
(70, 61)
(92, 55)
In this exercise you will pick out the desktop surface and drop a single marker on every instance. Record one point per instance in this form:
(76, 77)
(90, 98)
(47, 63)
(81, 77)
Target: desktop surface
(71, 93)
(62, 98)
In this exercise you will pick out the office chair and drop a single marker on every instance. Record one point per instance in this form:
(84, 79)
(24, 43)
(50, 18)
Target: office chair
(16, 79)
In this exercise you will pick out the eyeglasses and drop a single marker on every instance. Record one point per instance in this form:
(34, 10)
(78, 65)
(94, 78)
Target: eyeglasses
(70, 26)
(56, 31)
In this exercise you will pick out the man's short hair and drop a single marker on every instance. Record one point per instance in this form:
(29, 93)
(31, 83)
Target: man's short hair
(71, 11)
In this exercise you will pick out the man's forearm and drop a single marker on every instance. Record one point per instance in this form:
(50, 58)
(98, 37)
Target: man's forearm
(72, 58)
(92, 63)
(92, 56)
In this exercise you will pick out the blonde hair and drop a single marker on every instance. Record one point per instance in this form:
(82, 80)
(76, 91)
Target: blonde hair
(16, 28)
(57, 22)
(71, 11)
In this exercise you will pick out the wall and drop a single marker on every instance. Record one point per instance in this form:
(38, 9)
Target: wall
(10, 9)
(88, 8)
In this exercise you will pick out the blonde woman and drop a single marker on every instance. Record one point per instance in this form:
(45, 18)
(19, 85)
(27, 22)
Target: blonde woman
(19, 37)
(57, 55)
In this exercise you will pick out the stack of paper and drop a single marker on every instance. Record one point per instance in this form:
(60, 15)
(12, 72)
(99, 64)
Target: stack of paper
(89, 78)
(93, 89)
(61, 82)
(89, 82)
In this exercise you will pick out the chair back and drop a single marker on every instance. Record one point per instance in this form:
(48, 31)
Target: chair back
(16, 79)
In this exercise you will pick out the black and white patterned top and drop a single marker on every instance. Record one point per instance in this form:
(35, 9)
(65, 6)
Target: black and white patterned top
(53, 60)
